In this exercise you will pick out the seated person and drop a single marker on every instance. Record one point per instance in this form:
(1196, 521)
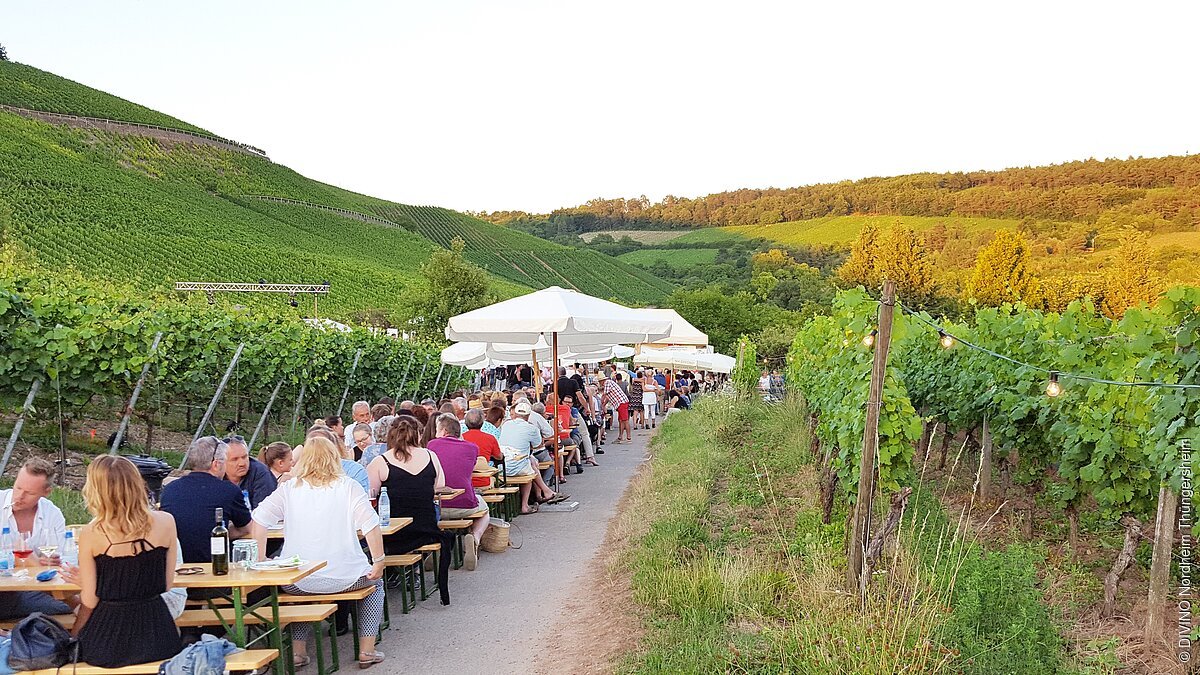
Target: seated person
(250, 475)
(126, 562)
(26, 508)
(521, 436)
(278, 458)
(193, 500)
(457, 458)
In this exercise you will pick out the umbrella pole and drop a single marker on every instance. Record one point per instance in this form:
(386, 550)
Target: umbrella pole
(554, 379)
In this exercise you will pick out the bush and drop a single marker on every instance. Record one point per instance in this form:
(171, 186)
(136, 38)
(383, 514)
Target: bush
(999, 624)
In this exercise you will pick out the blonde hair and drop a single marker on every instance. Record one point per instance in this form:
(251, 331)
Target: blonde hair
(320, 463)
(115, 495)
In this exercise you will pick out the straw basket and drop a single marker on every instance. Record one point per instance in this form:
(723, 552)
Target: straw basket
(495, 538)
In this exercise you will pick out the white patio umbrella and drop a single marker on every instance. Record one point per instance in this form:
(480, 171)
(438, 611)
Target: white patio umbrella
(561, 317)
(671, 358)
(479, 355)
(682, 331)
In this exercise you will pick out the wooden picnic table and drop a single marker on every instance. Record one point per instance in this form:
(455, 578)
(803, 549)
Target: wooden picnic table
(238, 583)
(449, 493)
(397, 524)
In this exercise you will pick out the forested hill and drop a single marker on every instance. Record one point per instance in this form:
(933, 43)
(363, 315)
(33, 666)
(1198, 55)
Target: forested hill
(1151, 193)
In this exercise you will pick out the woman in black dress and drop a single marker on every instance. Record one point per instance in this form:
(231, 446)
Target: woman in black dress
(411, 474)
(126, 563)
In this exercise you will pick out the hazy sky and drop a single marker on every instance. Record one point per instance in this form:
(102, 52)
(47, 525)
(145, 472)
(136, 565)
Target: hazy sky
(535, 105)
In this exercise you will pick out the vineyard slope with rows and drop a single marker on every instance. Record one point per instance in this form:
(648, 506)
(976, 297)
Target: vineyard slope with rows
(140, 209)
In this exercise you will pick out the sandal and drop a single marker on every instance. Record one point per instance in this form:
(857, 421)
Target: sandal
(372, 659)
(301, 661)
(591, 461)
(532, 509)
(560, 497)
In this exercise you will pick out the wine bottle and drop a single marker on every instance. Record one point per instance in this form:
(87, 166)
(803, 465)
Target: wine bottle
(219, 545)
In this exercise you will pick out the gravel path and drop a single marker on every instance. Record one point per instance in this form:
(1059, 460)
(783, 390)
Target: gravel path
(501, 613)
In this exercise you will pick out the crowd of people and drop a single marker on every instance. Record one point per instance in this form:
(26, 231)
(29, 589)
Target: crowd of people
(326, 490)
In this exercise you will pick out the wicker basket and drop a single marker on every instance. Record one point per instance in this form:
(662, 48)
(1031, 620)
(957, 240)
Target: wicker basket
(495, 538)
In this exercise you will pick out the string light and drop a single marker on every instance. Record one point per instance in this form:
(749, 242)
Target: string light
(1054, 374)
(1053, 388)
(869, 339)
(946, 340)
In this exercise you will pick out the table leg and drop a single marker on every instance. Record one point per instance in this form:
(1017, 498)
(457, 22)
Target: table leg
(281, 666)
(239, 618)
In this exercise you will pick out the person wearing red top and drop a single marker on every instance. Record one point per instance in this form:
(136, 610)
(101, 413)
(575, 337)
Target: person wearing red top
(457, 458)
(489, 447)
(565, 425)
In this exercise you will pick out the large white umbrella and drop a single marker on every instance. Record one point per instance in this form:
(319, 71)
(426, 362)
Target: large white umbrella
(479, 355)
(682, 331)
(561, 317)
(576, 318)
(672, 358)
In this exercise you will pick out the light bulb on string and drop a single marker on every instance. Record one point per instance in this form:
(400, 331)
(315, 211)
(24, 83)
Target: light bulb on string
(946, 340)
(1053, 388)
(869, 339)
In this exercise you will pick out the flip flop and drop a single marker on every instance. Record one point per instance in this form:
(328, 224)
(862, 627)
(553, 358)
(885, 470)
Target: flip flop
(532, 509)
(559, 498)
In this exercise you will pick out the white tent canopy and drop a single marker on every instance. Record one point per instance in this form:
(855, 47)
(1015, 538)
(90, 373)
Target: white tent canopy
(577, 319)
(479, 355)
(682, 331)
(671, 358)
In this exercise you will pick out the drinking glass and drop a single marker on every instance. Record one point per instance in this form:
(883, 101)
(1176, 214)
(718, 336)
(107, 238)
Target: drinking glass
(23, 546)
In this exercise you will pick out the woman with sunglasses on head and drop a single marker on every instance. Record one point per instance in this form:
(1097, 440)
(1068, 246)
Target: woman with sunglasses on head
(127, 557)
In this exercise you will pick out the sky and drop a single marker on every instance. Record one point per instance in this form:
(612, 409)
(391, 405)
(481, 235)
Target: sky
(532, 106)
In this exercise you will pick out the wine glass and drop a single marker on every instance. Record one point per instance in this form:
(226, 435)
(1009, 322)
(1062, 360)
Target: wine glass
(22, 545)
(47, 545)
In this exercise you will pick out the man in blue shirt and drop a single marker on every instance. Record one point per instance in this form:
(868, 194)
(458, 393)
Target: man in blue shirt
(193, 500)
(249, 474)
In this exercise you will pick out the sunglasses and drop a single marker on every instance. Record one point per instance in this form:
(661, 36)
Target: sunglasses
(187, 571)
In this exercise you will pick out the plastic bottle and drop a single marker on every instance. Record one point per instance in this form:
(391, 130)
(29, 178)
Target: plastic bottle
(246, 498)
(385, 508)
(7, 560)
(70, 549)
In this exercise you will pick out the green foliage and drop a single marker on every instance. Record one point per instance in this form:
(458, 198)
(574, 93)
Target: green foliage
(724, 317)
(831, 368)
(676, 257)
(452, 286)
(745, 373)
(89, 343)
(27, 87)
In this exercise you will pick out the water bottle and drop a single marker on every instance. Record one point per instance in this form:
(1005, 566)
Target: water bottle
(70, 549)
(7, 559)
(246, 498)
(385, 508)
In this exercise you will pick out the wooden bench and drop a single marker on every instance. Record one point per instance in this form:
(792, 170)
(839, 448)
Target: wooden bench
(242, 661)
(345, 596)
(429, 561)
(67, 621)
(408, 564)
(288, 615)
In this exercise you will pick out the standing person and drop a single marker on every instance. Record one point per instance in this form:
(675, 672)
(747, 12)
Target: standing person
(613, 396)
(651, 390)
(250, 475)
(457, 458)
(635, 396)
(323, 511)
(194, 499)
(126, 562)
(26, 507)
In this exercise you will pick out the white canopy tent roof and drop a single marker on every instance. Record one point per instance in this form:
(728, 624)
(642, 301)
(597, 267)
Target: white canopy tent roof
(682, 331)
(577, 319)
(479, 355)
(672, 358)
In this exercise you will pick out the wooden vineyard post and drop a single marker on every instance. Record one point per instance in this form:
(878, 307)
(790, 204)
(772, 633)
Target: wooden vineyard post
(984, 481)
(1160, 566)
(861, 523)
(349, 381)
(133, 399)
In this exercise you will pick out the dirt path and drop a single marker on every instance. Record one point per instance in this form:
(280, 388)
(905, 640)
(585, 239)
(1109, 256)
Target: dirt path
(548, 607)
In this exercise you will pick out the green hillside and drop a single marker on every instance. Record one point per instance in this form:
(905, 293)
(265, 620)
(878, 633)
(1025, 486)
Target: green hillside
(27, 87)
(676, 257)
(136, 208)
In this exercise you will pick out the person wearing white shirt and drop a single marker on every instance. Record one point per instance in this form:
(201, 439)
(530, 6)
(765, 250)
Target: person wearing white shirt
(324, 510)
(26, 508)
(361, 412)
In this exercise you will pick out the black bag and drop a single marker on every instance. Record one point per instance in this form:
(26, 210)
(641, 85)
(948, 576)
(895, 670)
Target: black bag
(39, 641)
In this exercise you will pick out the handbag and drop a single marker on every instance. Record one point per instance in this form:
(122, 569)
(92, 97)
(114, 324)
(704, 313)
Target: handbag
(38, 642)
